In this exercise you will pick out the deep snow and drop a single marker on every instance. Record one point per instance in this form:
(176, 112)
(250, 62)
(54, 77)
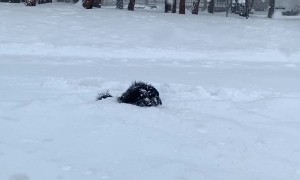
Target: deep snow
(230, 90)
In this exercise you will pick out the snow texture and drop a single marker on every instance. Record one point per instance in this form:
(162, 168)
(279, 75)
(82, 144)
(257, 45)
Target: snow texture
(230, 89)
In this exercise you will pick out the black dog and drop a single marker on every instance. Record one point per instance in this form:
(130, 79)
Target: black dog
(139, 93)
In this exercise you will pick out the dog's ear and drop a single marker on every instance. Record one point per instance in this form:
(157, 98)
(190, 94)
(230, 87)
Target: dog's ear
(103, 95)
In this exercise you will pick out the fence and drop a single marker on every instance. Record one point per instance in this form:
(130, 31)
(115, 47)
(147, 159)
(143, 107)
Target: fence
(188, 3)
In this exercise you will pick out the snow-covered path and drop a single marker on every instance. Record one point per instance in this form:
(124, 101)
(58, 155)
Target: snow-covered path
(230, 89)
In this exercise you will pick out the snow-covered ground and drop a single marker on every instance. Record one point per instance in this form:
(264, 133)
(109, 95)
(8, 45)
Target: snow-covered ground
(230, 89)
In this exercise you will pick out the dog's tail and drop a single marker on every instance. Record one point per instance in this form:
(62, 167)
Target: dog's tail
(103, 95)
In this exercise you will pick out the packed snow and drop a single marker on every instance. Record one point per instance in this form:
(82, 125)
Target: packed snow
(230, 91)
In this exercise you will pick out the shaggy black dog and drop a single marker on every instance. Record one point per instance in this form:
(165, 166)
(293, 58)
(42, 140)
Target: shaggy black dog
(139, 93)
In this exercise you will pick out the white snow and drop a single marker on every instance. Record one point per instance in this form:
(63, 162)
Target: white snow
(230, 89)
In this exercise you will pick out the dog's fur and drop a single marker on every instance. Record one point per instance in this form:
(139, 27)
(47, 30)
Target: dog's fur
(139, 93)
(103, 95)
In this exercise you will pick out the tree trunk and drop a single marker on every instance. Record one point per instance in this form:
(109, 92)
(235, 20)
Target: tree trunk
(195, 7)
(228, 7)
(211, 6)
(251, 5)
(131, 5)
(12, 1)
(204, 5)
(181, 6)
(174, 6)
(30, 2)
(44, 1)
(97, 3)
(88, 4)
(119, 4)
(167, 6)
(271, 8)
